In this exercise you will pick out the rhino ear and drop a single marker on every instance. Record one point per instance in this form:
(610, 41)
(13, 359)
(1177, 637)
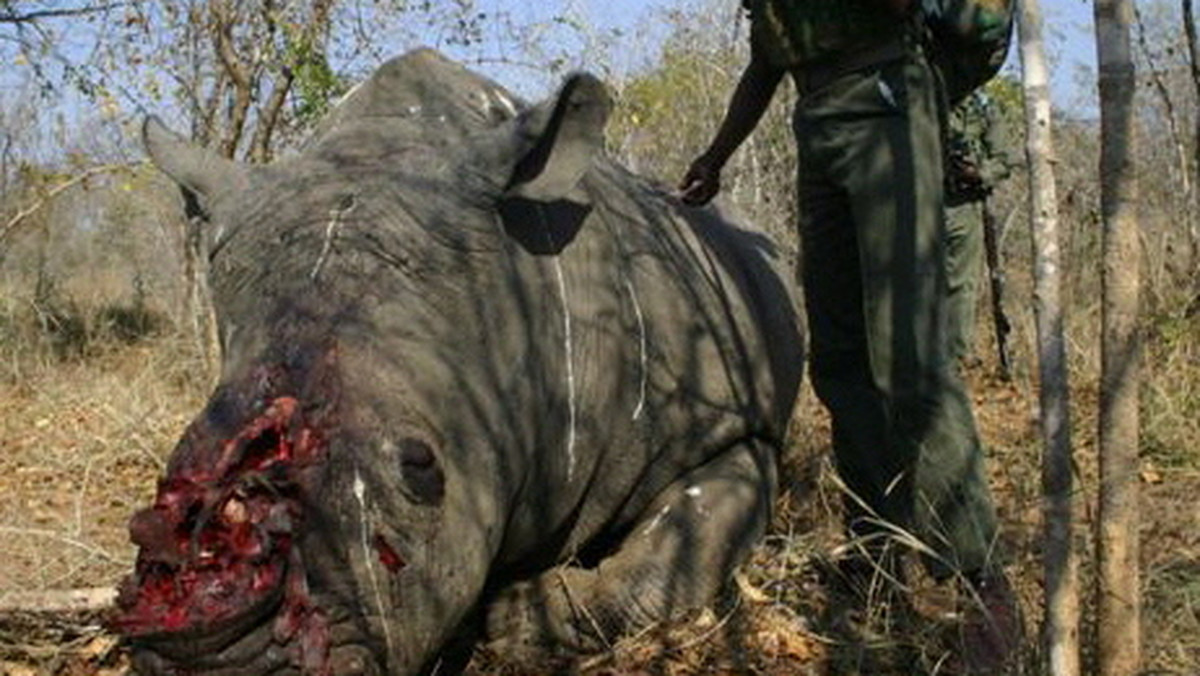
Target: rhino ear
(202, 172)
(558, 139)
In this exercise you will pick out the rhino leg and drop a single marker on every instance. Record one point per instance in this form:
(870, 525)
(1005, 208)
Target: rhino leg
(675, 559)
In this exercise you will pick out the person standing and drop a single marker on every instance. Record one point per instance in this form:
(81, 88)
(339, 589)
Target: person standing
(867, 123)
(976, 163)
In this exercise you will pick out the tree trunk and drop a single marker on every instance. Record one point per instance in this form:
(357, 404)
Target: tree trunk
(235, 68)
(1189, 31)
(995, 268)
(1061, 630)
(1118, 638)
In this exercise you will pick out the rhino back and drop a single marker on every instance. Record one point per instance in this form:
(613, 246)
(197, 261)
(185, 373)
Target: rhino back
(669, 335)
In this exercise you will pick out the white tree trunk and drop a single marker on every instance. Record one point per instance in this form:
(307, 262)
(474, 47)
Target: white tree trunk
(1061, 628)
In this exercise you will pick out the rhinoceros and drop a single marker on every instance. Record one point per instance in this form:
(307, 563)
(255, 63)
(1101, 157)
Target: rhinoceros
(478, 382)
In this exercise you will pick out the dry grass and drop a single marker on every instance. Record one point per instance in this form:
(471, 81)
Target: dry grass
(82, 442)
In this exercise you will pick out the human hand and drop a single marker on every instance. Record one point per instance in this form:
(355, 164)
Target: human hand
(963, 181)
(701, 183)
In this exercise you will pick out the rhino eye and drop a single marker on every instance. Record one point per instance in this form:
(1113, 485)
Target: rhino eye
(421, 476)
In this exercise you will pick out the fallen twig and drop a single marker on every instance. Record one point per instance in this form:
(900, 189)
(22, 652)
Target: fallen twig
(58, 600)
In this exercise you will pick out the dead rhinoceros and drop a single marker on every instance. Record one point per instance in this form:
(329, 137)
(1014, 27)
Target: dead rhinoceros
(474, 375)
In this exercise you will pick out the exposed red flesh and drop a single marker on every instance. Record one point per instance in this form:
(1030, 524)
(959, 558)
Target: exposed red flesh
(388, 555)
(217, 542)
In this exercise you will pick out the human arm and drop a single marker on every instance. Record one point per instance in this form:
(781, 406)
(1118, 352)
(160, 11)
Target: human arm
(750, 99)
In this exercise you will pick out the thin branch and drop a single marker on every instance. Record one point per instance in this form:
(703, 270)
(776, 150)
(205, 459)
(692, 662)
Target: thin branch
(268, 117)
(223, 36)
(236, 69)
(13, 223)
(268, 113)
(1160, 86)
(63, 539)
(34, 16)
(206, 128)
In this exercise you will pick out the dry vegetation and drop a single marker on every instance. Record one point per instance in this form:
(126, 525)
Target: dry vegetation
(84, 440)
(88, 426)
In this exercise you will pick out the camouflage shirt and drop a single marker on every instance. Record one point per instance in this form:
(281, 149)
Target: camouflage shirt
(975, 150)
(791, 33)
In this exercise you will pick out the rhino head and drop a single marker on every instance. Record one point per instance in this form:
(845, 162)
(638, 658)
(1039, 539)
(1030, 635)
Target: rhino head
(329, 511)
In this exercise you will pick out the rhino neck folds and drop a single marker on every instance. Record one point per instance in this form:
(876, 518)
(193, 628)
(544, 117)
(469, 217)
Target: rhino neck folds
(217, 552)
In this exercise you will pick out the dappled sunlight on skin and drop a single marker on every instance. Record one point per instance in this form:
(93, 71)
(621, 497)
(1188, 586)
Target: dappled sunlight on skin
(465, 358)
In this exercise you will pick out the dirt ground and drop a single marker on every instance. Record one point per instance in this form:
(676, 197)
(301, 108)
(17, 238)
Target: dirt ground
(82, 444)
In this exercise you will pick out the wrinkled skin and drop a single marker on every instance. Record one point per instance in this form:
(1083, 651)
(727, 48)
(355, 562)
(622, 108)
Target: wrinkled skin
(477, 382)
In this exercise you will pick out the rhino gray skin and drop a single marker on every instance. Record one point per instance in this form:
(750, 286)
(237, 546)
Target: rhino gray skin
(476, 379)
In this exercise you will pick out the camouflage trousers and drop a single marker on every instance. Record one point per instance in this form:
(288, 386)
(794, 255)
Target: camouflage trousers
(874, 270)
(964, 262)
